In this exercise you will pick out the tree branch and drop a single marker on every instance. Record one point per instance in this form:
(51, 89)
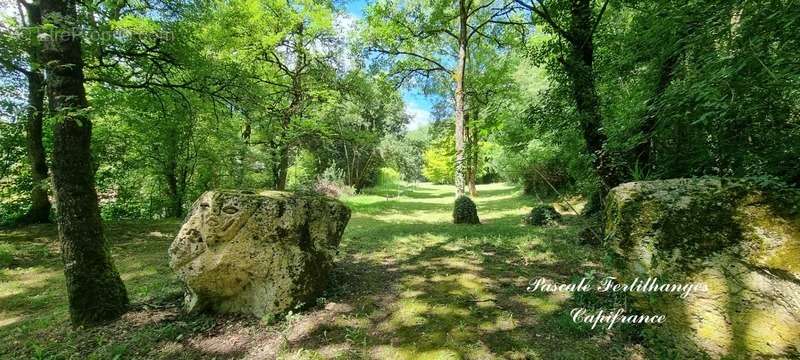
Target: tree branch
(545, 14)
(599, 17)
(436, 64)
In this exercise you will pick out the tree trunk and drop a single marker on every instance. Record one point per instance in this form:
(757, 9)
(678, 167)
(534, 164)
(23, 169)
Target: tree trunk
(39, 212)
(95, 291)
(580, 69)
(460, 98)
(468, 153)
(40, 205)
(282, 170)
(174, 188)
(474, 149)
(644, 150)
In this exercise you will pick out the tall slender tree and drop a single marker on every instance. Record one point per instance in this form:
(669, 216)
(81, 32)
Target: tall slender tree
(96, 292)
(433, 37)
(31, 18)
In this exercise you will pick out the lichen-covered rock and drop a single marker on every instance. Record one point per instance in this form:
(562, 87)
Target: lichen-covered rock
(259, 254)
(543, 215)
(738, 237)
(464, 211)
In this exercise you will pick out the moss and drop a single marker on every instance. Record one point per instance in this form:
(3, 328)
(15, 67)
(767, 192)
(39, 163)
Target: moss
(465, 211)
(543, 215)
(737, 236)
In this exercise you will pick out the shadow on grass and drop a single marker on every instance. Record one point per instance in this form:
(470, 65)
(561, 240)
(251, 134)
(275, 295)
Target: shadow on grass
(412, 289)
(439, 290)
(462, 295)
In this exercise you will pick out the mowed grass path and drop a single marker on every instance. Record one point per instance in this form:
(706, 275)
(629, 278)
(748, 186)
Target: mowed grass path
(408, 285)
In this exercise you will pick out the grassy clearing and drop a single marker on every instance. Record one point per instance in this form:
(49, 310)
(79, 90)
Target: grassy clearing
(409, 285)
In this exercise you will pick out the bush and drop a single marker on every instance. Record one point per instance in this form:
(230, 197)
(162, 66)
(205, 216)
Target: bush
(388, 178)
(465, 212)
(15, 177)
(331, 183)
(538, 168)
(543, 215)
(439, 165)
(300, 175)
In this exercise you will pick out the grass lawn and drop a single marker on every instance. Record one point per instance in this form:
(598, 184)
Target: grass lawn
(409, 285)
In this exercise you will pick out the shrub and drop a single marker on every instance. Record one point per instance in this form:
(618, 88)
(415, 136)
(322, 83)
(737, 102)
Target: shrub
(331, 183)
(388, 178)
(333, 189)
(465, 212)
(538, 168)
(300, 176)
(543, 215)
(439, 165)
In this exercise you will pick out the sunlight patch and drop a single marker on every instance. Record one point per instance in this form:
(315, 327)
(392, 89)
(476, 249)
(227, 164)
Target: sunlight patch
(9, 318)
(410, 312)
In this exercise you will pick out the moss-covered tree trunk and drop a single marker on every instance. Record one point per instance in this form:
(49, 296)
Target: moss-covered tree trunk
(95, 291)
(580, 68)
(644, 150)
(282, 168)
(460, 97)
(474, 149)
(40, 204)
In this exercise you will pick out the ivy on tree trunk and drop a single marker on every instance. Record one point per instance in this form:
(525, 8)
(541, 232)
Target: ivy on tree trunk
(95, 291)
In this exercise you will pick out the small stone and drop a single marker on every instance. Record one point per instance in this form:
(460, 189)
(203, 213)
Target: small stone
(589, 236)
(464, 211)
(543, 215)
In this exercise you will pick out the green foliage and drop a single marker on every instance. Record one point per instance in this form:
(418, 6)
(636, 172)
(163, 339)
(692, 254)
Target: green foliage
(15, 178)
(300, 174)
(465, 211)
(543, 215)
(405, 154)
(538, 167)
(709, 85)
(388, 177)
(191, 97)
(362, 125)
(439, 163)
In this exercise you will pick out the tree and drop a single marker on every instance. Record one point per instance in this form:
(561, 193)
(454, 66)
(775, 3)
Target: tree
(578, 63)
(428, 37)
(95, 291)
(286, 56)
(487, 98)
(712, 82)
(438, 161)
(39, 211)
(363, 110)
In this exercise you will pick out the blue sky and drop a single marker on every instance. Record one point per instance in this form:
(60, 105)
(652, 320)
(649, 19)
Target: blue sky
(418, 106)
(356, 7)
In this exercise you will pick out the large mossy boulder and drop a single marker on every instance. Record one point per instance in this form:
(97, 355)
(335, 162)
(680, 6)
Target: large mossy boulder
(259, 254)
(465, 211)
(740, 238)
